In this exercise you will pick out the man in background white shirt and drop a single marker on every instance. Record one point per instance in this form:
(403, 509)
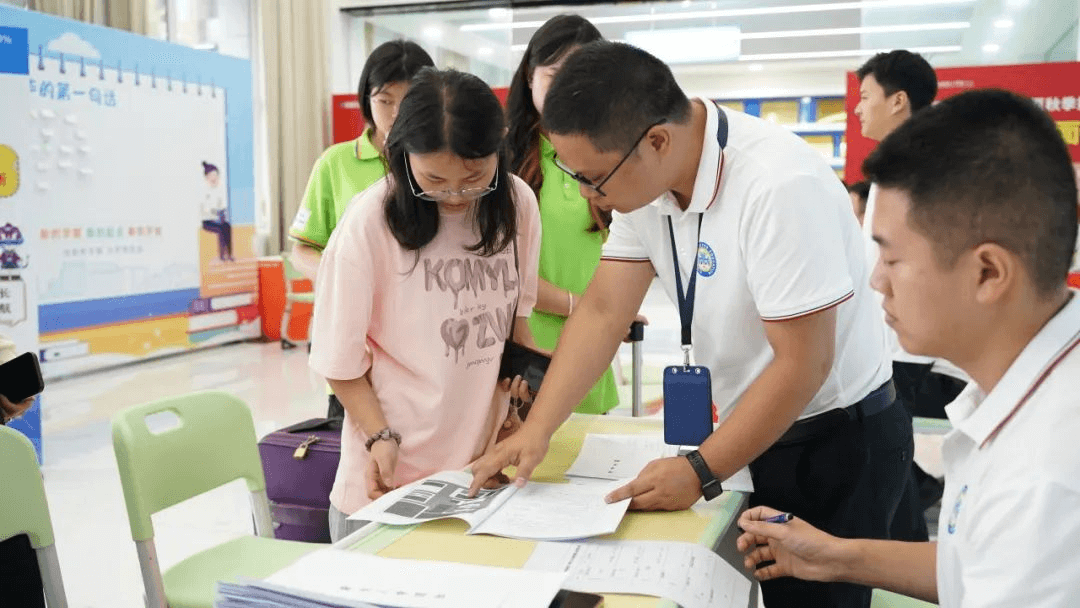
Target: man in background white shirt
(893, 86)
(976, 222)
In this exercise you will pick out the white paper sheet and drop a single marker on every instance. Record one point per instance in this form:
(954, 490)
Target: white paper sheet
(624, 457)
(688, 574)
(557, 511)
(539, 511)
(351, 578)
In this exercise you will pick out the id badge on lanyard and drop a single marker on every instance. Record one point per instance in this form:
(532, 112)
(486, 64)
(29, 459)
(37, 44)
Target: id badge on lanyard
(688, 412)
(687, 388)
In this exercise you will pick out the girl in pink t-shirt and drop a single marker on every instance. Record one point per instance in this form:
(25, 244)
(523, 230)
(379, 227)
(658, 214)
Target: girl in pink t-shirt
(424, 279)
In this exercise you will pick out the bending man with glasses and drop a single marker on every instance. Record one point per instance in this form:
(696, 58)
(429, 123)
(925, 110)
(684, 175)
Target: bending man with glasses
(757, 228)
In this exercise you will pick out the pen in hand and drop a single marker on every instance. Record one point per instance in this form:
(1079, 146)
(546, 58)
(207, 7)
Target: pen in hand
(782, 518)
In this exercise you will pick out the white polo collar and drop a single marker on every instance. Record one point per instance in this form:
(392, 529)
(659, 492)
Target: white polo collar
(981, 416)
(706, 183)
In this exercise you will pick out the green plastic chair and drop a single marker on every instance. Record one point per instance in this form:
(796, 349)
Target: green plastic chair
(25, 511)
(888, 599)
(211, 443)
(291, 298)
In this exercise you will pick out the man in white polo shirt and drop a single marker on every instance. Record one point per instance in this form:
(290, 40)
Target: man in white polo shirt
(976, 221)
(893, 86)
(792, 340)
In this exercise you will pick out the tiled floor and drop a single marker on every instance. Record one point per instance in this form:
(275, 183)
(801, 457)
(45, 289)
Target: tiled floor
(93, 539)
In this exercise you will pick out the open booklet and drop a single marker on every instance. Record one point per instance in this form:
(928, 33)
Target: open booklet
(538, 511)
(615, 457)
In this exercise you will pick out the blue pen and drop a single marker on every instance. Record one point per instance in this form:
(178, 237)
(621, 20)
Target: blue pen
(782, 518)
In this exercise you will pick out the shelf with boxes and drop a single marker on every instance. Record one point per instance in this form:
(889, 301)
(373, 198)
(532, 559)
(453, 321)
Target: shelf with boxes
(820, 120)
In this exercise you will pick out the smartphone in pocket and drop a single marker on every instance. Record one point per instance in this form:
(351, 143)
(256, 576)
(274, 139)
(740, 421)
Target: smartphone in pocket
(687, 404)
(20, 378)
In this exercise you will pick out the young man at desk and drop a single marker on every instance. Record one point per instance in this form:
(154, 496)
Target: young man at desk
(753, 219)
(976, 220)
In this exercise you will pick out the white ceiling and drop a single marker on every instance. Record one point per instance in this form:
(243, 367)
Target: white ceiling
(837, 34)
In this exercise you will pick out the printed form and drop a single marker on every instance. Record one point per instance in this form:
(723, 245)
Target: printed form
(688, 574)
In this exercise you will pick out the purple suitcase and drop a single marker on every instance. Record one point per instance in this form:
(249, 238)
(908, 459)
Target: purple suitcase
(300, 462)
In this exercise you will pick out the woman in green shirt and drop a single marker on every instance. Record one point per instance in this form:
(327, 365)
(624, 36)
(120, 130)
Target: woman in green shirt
(573, 233)
(347, 169)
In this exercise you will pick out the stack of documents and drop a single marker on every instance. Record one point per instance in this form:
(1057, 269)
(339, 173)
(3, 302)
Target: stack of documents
(539, 511)
(332, 578)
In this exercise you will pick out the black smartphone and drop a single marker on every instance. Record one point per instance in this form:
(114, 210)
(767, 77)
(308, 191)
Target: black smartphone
(576, 599)
(531, 365)
(687, 405)
(20, 378)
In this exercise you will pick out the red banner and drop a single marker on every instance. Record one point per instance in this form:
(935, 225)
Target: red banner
(1054, 86)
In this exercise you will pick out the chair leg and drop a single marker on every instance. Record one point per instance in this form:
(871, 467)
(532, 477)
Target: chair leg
(51, 579)
(286, 316)
(151, 573)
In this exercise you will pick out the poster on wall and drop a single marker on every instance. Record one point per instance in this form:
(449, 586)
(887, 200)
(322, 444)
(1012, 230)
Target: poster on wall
(138, 160)
(1055, 87)
(18, 304)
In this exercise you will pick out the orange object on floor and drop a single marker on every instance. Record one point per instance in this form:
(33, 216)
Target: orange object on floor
(272, 301)
(1074, 280)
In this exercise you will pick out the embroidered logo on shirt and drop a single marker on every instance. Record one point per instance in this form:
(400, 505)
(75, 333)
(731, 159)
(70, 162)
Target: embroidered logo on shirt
(956, 510)
(706, 260)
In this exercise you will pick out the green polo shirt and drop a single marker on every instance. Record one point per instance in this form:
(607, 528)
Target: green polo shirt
(343, 171)
(569, 255)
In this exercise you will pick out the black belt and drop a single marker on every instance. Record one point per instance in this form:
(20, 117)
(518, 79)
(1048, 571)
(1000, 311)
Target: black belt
(822, 424)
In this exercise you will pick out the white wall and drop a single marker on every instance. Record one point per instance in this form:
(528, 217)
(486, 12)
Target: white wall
(774, 80)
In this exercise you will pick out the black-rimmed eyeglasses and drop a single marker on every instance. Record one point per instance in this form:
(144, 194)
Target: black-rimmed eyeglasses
(595, 187)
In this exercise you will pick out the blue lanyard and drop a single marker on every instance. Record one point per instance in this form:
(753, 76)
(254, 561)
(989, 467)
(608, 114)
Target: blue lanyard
(686, 300)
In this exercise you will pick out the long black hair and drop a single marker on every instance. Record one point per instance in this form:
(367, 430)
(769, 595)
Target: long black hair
(394, 61)
(457, 112)
(548, 45)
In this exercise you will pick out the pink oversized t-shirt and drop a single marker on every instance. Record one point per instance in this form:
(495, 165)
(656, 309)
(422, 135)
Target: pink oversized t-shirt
(431, 330)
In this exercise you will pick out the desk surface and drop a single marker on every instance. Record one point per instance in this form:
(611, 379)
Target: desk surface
(445, 540)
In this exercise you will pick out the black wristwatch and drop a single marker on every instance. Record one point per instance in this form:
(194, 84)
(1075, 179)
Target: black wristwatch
(710, 485)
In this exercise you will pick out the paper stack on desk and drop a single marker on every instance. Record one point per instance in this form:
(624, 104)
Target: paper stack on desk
(622, 457)
(332, 578)
(539, 511)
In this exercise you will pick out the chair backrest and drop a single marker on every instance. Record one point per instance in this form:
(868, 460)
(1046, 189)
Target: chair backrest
(24, 509)
(887, 599)
(210, 443)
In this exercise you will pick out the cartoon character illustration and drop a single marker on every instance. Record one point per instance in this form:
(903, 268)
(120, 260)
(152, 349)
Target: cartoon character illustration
(10, 235)
(216, 213)
(9, 172)
(11, 260)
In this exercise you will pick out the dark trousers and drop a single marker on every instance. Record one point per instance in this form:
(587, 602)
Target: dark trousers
(335, 409)
(847, 483)
(924, 393)
(20, 580)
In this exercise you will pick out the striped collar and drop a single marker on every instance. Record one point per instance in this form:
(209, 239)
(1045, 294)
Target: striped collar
(365, 149)
(709, 173)
(981, 417)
